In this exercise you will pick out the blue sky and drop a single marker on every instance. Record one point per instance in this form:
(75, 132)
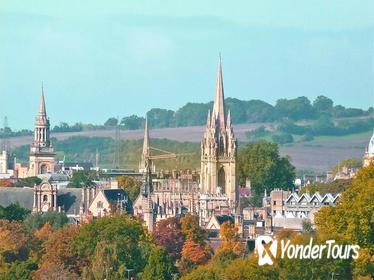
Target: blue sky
(99, 59)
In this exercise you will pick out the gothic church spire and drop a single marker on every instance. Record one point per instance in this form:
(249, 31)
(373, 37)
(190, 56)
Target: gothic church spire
(219, 106)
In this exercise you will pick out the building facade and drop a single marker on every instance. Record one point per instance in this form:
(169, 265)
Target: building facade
(42, 156)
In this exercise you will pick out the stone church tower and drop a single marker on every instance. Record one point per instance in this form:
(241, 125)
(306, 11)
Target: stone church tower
(41, 151)
(219, 150)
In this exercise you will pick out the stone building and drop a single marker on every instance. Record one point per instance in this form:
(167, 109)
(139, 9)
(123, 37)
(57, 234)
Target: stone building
(213, 193)
(42, 156)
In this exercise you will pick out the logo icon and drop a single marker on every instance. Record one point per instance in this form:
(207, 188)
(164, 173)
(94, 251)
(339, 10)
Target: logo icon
(266, 249)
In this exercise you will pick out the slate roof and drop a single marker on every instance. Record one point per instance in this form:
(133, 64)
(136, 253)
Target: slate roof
(114, 194)
(224, 218)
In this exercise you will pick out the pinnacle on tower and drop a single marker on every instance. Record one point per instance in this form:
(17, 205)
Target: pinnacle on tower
(219, 106)
(228, 121)
(208, 119)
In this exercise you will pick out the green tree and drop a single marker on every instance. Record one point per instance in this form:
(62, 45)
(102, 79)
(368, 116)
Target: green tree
(282, 138)
(111, 122)
(159, 266)
(13, 212)
(351, 220)
(192, 114)
(130, 185)
(160, 118)
(35, 221)
(83, 179)
(262, 164)
(133, 122)
(323, 104)
(28, 182)
(296, 109)
(122, 232)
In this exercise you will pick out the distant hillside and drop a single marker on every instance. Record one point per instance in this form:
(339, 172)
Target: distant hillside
(195, 114)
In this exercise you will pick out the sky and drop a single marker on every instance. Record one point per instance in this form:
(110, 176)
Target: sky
(99, 59)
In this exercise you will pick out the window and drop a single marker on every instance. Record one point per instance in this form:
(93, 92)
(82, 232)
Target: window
(274, 202)
(45, 197)
(100, 204)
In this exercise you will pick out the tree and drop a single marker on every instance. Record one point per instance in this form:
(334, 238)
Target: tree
(195, 252)
(192, 230)
(296, 109)
(262, 164)
(231, 238)
(194, 249)
(15, 247)
(105, 263)
(111, 122)
(6, 183)
(35, 221)
(159, 266)
(126, 234)
(323, 104)
(160, 118)
(282, 138)
(132, 122)
(57, 254)
(307, 226)
(130, 185)
(192, 114)
(168, 234)
(83, 179)
(13, 212)
(28, 182)
(351, 220)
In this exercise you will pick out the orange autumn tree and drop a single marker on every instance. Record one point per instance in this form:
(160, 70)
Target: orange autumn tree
(57, 255)
(231, 239)
(195, 248)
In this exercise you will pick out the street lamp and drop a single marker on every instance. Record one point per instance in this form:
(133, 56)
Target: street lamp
(128, 272)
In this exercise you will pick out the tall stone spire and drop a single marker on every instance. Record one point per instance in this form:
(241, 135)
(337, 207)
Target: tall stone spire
(42, 110)
(219, 106)
(219, 150)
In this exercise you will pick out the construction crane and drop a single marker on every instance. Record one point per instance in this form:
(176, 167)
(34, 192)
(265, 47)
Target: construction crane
(166, 155)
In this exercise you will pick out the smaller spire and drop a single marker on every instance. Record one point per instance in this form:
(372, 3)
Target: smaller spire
(146, 138)
(208, 119)
(228, 122)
